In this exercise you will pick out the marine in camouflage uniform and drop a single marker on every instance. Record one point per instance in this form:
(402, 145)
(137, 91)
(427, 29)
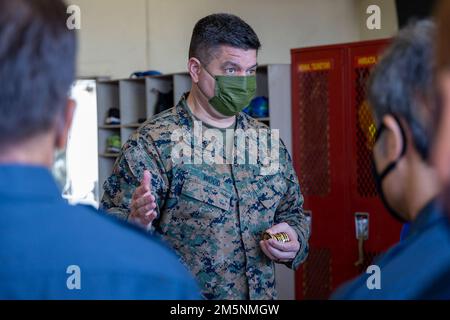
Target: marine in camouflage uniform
(213, 215)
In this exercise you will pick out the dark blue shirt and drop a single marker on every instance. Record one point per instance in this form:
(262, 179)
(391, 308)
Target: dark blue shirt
(404, 232)
(49, 249)
(416, 268)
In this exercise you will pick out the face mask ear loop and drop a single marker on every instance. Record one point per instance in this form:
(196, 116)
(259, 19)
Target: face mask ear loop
(204, 68)
(403, 136)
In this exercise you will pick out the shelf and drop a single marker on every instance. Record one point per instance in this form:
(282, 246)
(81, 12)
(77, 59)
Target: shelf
(109, 155)
(110, 126)
(118, 126)
(132, 125)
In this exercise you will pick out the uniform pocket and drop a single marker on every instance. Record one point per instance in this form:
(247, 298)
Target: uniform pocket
(207, 194)
(269, 190)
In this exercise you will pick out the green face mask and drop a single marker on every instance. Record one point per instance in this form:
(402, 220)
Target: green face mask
(232, 93)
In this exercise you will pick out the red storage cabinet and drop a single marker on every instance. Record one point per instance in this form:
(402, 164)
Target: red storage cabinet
(333, 134)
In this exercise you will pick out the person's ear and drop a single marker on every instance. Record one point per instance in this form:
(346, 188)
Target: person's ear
(194, 68)
(64, 126)
(394, 139)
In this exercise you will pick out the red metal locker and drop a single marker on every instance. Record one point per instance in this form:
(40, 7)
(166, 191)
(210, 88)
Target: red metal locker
(318, 130)
(332, 156)
(383, 230)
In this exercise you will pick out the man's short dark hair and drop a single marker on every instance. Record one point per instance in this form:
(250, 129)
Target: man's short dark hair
(403, 82)
(221, 29)
(37, 67)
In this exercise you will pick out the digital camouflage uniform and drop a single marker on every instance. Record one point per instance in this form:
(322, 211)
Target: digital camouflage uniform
(213, 215)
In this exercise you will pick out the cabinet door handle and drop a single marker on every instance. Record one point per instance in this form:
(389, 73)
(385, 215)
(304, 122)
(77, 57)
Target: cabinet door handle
(362, 234)
(308, 216)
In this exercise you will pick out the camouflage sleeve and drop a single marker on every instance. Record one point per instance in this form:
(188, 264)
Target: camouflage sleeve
(290, 209)
(137, 155)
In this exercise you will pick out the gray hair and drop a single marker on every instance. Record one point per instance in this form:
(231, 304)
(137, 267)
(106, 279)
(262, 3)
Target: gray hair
(402, 83)
(37, 67)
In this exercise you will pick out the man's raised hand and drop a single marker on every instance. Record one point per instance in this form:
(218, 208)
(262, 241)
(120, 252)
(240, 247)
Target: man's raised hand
(143, 203)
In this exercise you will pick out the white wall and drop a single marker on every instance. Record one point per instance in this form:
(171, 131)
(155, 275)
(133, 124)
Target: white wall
(118, 36)
(121, 36)
(280, 25)
(112, 38)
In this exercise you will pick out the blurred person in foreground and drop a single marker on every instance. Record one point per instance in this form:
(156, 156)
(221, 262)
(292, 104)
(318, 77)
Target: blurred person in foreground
(441, 148)
(49, 249)
(403, 98)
